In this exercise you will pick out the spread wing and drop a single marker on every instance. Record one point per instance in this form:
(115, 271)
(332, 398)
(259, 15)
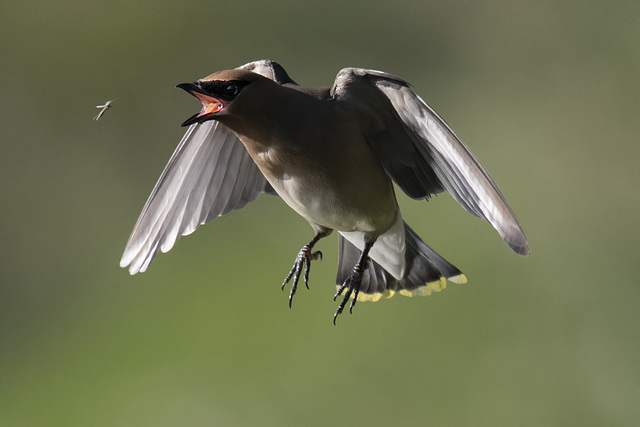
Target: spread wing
(208, 175)
(422, 153)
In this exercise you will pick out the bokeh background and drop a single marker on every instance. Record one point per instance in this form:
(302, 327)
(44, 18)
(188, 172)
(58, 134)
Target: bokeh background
(545, 93)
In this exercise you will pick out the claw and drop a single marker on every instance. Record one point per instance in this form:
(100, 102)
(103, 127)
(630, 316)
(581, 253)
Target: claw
(303, 259)
(356, 291)
(335, 316)
(352, 283)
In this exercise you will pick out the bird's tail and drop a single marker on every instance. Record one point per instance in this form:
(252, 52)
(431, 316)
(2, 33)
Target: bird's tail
(424, 270)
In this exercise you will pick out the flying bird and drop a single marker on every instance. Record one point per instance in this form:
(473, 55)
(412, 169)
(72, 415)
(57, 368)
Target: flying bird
(104, 109)
(332, 155)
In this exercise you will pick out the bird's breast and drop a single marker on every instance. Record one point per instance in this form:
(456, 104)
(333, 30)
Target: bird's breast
(346, 194)
(323, 168)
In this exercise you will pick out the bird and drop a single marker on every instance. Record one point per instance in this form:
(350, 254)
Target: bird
(333, 155)
(103, 110)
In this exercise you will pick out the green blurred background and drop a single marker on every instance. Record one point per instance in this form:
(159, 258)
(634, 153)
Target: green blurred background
(545, 93)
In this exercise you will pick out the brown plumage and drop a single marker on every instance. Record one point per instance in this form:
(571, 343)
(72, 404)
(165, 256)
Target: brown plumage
(332, 155)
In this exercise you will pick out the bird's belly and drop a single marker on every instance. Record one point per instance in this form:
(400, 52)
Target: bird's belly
(321, 203)
(349, 192)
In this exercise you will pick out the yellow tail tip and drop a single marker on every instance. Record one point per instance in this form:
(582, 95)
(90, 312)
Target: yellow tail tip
(460, 279)
(425, 290)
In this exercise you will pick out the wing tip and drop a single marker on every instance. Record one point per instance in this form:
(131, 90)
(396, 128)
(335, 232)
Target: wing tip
(135, 262)
(132, 267)
(520, 247)
(125, 260)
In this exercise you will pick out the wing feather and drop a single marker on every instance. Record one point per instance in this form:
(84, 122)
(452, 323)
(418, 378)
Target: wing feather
(209, 174)
(440, 160)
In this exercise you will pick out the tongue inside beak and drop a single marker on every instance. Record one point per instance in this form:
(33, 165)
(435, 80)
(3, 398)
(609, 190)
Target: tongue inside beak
(210, 106)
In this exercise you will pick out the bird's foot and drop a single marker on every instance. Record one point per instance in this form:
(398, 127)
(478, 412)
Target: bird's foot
(304, 258)
(352, 286)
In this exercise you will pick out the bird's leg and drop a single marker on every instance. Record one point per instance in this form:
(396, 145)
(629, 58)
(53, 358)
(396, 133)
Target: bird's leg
(352, 282)
(304, 258)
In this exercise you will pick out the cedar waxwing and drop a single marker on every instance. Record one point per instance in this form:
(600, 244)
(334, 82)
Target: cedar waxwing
(332, 155)
(104, 109)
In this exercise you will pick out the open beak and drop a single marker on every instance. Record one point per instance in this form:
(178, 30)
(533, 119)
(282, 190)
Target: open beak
(210, 104)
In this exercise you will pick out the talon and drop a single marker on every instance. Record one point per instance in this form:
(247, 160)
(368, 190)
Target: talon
(352, 283)
(344, 285)
(343, 303)
(307, 269)
(291, 274)
(335, 316)
(295, 274)
(303, 260)
(353, 301)
(286, 279)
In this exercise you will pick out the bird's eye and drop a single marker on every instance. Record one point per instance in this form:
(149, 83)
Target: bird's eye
(231, 90)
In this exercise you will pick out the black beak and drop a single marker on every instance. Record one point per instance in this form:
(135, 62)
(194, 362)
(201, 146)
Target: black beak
(190, 87)
(196, 90)
(191, 120)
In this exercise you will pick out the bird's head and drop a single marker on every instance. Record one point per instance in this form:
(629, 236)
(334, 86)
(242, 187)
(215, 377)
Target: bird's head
(219, 91)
